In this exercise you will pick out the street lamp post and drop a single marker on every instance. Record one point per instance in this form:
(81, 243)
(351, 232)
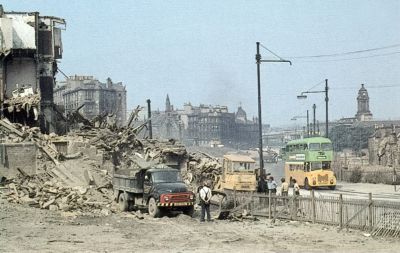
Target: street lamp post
(308, 122)
(302, 96)
(258, 62)
(314, 107)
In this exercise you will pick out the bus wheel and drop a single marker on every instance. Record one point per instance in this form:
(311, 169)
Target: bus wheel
(306, 184)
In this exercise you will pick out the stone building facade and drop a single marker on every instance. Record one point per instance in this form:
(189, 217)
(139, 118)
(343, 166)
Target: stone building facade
(96, 97)
(205, 125)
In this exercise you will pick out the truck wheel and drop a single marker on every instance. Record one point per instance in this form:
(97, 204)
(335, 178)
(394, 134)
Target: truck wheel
(122, 202)
(154, 210)
(189, 211)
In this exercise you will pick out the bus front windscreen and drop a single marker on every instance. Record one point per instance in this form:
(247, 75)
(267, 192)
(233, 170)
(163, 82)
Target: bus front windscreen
(326, 146)
(313, 146)
(320, 165)
(243, 166)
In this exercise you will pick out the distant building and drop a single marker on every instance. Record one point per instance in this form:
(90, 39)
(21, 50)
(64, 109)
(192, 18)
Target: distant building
(98, 98)
(30, 47)
(205, 125)
(363, 112)
(210, 124)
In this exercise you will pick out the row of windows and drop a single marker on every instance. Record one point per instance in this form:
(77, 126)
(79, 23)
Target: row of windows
(310, 166)
(311, 146)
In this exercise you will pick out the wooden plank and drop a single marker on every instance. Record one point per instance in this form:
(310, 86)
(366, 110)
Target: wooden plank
(341, 211)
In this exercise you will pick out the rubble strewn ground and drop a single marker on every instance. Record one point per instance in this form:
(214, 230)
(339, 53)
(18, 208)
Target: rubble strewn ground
(25, 229)
(68, 205)
(44, 192)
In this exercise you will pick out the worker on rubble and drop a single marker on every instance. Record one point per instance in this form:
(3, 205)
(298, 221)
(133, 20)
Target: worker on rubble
(205, 197)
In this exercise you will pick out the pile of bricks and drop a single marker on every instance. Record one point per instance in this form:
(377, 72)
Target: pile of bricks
(42, 192)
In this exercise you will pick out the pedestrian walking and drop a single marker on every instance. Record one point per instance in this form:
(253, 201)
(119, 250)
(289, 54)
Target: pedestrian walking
(205, 197)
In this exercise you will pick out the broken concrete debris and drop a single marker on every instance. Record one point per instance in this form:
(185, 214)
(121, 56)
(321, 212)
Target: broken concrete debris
(43, 192)
(56, 187)
(201, 167)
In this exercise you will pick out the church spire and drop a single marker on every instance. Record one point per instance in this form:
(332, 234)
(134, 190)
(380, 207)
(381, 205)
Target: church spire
(167, 104)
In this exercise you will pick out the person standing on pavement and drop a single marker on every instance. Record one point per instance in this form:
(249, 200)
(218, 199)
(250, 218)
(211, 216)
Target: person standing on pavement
(284, 187)
(205, 197)
(296, 187)
(261, 185)
(272, 185)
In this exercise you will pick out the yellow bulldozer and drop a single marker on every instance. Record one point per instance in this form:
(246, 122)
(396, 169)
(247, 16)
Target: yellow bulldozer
(237, 182)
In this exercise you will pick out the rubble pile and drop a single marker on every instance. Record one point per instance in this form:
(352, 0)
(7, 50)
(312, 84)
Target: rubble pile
(44, 192)
(127, 151)
(120, 146)
(201, 167)
(27, 102)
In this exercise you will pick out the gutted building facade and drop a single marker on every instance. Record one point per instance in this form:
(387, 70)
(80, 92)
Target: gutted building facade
(93, 97)
(30, 46)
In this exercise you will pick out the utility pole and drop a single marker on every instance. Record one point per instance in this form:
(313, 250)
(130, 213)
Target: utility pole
(302, 96)
(260, 140)
(314, 107)
(260, 143)
(308, 125)
(326, 109)
(149, 118)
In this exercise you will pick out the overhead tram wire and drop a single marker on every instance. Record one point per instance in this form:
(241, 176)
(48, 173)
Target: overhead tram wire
(354, 58)
(345, 53)
(369, 87)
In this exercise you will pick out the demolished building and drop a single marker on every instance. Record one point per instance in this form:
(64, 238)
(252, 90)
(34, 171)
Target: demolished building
(30, 46)
(384, 146)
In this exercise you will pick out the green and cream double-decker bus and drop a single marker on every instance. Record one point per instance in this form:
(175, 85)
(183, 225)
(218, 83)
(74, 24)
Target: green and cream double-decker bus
(309, 161)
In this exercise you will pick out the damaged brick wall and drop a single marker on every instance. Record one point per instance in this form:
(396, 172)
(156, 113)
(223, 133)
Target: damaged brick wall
(17, 155)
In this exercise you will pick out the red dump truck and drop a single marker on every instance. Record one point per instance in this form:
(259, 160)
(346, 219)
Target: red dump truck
(158, 188)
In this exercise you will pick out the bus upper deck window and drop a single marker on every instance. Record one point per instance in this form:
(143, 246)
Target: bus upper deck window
(314, 146)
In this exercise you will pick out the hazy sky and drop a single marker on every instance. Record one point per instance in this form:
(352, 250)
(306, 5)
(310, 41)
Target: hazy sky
(203, 51)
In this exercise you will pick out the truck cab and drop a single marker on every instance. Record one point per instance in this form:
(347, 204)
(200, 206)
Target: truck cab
(238, 174)
(160, 189)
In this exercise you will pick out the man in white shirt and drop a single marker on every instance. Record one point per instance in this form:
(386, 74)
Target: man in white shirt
(205, 197)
